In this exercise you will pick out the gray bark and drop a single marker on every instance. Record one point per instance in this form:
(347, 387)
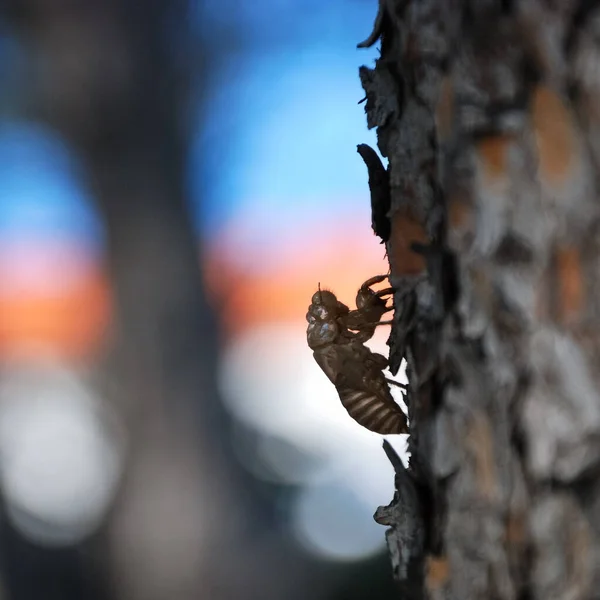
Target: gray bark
(487, 113)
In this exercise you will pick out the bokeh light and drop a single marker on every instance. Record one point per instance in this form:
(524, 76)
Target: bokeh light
(54, 293)
(271, 383)
(290, 210)
(60, 452)
(331, 521)
(280, 203)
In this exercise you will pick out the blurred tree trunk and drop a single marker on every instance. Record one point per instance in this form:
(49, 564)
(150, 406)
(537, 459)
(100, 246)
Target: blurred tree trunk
(112, 77)
(105, 75)
(488, 114)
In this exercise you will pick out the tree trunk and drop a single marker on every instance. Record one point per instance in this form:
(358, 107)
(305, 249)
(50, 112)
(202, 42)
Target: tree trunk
(487, 114)
(112, 77)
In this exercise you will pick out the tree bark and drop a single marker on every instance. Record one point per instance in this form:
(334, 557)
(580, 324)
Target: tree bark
(487, 113)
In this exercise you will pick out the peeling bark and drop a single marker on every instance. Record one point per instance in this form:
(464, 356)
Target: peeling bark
(487, 113)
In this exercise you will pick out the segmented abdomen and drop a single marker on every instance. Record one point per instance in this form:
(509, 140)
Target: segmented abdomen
(373, 412)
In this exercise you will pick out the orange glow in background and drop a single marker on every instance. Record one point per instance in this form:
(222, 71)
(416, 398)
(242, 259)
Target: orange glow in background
(282, 291)
(52, 298)
(272, 233)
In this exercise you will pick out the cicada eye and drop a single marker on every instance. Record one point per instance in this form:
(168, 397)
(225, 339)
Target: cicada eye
(317, 312)
(322, 333)
(328, 331)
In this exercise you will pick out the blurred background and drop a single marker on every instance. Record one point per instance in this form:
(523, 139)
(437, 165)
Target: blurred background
(176, 177)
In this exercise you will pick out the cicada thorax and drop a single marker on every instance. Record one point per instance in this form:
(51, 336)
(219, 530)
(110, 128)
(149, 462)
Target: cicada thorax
(365, 322)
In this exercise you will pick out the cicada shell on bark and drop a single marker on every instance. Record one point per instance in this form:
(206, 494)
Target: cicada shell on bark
(354, 369)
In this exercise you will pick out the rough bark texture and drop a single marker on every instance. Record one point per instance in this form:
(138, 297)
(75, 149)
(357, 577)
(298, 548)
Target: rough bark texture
(488, 114)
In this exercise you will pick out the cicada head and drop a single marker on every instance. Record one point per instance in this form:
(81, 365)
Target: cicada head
(324, 298)
(322, 315)
(325, 305)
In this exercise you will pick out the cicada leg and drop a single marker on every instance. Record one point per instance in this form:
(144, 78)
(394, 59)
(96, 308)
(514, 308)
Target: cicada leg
(392, 382)
(378, 361)
(384, 292)
(373, 280)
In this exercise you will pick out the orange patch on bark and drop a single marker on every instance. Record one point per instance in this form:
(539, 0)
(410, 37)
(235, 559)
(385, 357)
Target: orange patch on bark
(444, 111)
(579, 555)
(554, 133)
(460, 213)
(438, 572)
(515, 529)
(493, 153)
(570, 281)
(406, 230)
(480, 445)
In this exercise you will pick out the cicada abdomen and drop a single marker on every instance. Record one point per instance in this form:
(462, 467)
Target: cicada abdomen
(364, 391)
(381, 415)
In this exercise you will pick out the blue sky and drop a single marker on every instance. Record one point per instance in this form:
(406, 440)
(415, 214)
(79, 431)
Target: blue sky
(280, 132)
(41, 193)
